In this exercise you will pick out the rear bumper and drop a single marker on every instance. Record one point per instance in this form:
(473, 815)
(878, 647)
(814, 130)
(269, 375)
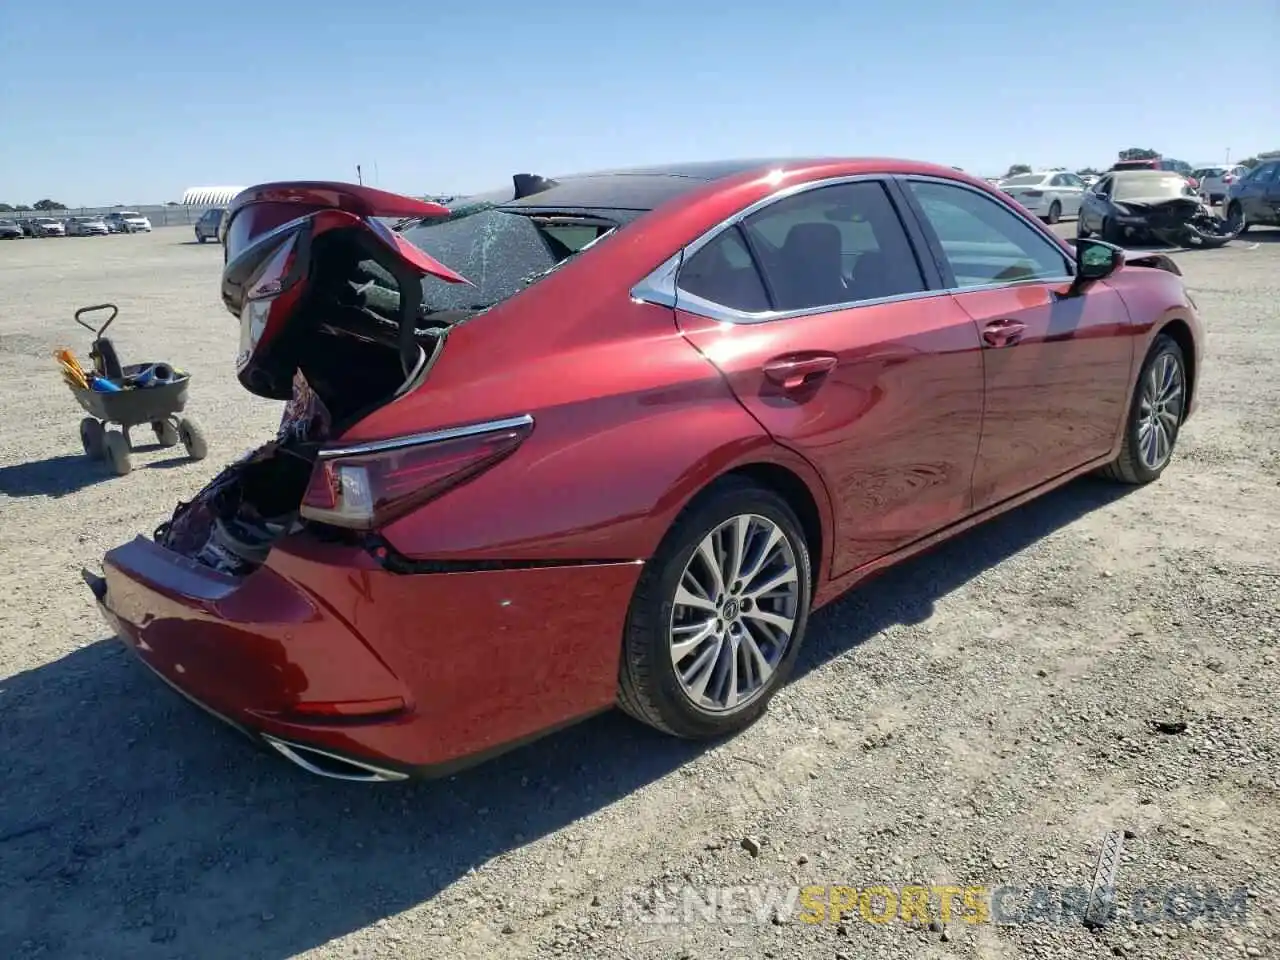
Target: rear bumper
(322, 655)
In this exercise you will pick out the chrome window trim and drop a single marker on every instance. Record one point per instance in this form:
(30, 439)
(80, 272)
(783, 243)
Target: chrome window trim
(659, 286)
(690, 303)
(431, 436)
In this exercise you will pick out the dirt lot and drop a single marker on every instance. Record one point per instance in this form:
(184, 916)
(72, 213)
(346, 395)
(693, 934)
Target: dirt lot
(981, 716)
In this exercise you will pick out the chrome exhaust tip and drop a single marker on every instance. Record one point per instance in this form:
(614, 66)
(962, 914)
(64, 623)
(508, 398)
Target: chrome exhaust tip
(321, 763)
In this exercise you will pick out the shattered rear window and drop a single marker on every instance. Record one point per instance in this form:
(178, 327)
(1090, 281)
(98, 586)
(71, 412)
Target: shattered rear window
(499, 251)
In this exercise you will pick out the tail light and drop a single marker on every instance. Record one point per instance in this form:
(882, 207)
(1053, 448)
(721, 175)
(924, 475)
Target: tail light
(365, 487)
(1033, 193)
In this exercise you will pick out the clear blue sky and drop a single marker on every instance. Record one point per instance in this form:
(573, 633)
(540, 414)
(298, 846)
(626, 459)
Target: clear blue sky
(128, 102)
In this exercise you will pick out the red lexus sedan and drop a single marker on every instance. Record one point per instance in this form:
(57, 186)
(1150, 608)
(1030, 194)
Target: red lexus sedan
(607, 439)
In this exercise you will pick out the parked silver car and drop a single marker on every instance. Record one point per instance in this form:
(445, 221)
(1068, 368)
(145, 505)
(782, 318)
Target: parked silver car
(48, 227)
(86, 227)
(1050, 195)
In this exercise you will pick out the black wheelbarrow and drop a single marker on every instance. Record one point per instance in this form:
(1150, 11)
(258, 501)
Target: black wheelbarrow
(134, 395)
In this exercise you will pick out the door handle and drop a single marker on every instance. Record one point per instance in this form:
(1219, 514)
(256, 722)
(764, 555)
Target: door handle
(1003, 333)
(794, 372)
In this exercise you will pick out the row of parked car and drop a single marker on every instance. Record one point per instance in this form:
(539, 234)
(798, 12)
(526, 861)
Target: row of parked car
(1251, 194)
(119, 221)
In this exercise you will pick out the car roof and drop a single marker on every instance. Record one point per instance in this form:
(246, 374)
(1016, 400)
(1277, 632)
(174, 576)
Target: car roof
(647, 187)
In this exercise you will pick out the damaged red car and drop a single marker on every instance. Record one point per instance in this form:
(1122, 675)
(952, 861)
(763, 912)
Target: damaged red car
(607, 439)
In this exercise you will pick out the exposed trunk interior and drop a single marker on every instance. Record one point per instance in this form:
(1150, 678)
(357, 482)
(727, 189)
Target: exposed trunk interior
(345, 342)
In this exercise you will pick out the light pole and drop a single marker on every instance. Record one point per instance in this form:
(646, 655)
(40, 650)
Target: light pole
(359, 175)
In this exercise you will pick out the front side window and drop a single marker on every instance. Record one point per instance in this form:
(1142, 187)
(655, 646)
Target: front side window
(1265, 173)
(983, 241)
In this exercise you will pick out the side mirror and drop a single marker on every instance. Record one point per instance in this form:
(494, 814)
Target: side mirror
(1095, 260)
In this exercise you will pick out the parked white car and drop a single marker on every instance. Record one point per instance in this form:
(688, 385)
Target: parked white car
(128, 221)
(1050, 194)
(86, 227)
(1216, 181)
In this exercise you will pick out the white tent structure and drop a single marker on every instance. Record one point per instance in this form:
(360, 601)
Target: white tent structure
(209, 196)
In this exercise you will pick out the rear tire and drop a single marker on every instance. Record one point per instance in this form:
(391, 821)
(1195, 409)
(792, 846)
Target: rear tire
(1055, 213)
(92, 437)
(117, 453)
(737, 651)
(1155, 416)
(192, 438)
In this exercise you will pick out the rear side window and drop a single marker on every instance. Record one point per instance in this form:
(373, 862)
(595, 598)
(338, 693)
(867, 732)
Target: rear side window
(827, 247)
(723, 273)
(982, 240)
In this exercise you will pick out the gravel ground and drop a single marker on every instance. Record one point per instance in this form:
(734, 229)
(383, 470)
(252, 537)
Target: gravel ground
(980, 716)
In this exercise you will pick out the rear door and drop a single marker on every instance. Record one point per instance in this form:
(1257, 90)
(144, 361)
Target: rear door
(1056, 368)
(833, 332)
(1259, 195)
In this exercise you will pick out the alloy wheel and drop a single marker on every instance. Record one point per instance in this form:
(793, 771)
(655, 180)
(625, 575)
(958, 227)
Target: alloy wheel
(1160, 411)
(734, 613)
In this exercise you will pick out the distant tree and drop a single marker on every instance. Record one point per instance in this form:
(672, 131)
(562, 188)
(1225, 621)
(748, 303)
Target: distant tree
(173, 203)
(1088, 172)
(1139, 153)
(1016, 169)
(47, 204)
(6, 208)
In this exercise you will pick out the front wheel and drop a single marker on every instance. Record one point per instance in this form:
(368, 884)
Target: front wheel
(1235, 213)
(719, 614)
(92, 438)
(1155, 416)
(116, 448)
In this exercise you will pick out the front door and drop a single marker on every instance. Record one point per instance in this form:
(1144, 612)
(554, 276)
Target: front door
(1057, 368)
(821, 316)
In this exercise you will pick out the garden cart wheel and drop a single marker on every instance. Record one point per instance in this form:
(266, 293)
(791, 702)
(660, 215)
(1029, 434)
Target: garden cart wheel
(166, 433)
(117, 451)
(92, 436)
(193, 438)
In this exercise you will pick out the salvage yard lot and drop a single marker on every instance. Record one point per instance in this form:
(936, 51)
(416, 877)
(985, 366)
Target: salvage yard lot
(981, 716)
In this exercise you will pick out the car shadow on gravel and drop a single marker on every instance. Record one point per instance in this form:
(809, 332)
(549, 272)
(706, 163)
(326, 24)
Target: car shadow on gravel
(52, 477)
(133, 825)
